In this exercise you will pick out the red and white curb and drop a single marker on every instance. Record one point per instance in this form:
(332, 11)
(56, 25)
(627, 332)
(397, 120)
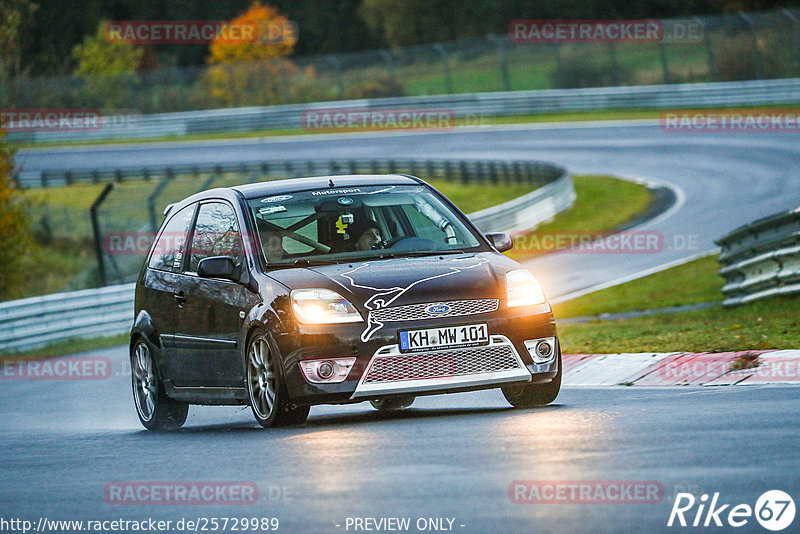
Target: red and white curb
(753, 367)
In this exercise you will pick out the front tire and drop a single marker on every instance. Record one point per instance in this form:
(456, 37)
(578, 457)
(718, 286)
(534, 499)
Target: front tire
(266, 390)
(155, 409)
(533, 395)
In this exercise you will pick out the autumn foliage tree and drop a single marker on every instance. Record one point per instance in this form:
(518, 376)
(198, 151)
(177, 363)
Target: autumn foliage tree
(15, 237)
(108, 68)
(248, 71)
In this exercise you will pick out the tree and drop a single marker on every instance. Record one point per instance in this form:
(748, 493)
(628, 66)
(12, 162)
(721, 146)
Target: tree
(252, 71)
(108, 69)
(15, 16)
(16, 240)
(98, 56)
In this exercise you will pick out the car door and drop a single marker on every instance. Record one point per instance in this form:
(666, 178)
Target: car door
(161, 278)
(207, 317)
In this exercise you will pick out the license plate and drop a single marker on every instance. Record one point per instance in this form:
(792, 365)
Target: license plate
(444, 338)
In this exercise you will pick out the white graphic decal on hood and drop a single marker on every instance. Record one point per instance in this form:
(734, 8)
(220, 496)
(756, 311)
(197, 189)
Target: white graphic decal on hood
(384, 297)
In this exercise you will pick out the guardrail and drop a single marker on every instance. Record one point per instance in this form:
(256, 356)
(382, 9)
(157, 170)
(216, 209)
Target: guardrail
(762, 259)
(108, 311)
(467, 171)
(470, 107)
(88, 313)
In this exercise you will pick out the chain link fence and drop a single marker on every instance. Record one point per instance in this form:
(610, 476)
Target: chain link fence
(716, 48)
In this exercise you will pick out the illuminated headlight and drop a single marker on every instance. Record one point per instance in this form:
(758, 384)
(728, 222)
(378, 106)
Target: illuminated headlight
(330, 371)
(523, 289)
(323, 306)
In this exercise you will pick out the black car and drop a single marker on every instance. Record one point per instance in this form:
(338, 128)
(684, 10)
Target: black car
(332, 290)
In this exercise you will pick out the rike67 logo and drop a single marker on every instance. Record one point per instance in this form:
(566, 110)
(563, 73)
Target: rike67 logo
(774, 510)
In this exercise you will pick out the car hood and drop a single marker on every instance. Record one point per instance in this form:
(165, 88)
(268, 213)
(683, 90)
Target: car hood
(377, 284)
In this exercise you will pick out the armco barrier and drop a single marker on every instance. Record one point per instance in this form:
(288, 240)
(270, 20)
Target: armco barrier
(471, 106)
(108, 311)
(762, 258)
(88, 313)
(532, 173)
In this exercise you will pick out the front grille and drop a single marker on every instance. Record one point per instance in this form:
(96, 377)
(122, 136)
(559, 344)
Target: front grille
(443, 364)
(416, 312)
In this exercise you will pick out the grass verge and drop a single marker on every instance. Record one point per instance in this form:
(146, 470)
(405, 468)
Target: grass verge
(766, 324)
(71, 346)
(602, 204)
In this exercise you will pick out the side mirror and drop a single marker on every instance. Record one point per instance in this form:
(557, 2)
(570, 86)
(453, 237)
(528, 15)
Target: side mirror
(500, 241)
(218, 267)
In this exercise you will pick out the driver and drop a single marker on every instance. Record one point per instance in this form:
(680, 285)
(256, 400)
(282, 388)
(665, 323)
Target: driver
(369, 235)
(273, 246)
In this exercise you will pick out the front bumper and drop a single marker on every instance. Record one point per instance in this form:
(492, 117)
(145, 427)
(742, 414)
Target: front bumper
(382, 370)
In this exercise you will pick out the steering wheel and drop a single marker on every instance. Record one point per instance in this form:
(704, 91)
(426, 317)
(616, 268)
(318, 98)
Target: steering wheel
(410, 243)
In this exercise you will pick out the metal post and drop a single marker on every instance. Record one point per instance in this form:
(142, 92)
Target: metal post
(98, 238)
(448, 79)
(387, 57)
(211, 179)
(337, 67)
(503, 56)
(559, 59)
(712, 71)
(754, 38)
(664, 65)
(151, 200)
(796, 24)
(612, 51)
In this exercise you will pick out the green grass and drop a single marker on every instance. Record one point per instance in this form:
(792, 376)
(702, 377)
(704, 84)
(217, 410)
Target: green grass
(767, 324)
(567, 116)
(659, 290)
(72, 346)
(603, 203)
(475, 197)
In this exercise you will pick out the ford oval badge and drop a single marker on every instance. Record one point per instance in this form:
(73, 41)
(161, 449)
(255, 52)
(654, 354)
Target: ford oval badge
(437, 309)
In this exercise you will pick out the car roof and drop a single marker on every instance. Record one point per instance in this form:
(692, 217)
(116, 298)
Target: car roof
(276, 187)
(323, 182)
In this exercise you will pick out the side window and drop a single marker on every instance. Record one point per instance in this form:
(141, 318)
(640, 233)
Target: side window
(216, 233)
(168, 251)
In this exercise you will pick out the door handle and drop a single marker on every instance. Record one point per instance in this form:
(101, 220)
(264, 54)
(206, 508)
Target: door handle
(180, 297)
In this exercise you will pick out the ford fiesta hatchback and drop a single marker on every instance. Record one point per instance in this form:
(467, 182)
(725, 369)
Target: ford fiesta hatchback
(332, 290)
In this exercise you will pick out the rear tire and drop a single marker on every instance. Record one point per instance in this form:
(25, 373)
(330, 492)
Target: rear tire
(155, 409)
(391, 405)
(266, 390)
(533, 395)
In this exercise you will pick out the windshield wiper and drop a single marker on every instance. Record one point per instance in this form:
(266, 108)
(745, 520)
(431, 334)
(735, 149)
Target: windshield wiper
(312, 262)
(406, 254)
(302, 263)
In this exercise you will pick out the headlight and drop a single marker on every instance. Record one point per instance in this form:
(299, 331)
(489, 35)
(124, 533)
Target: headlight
(523, 289)
(323, 306)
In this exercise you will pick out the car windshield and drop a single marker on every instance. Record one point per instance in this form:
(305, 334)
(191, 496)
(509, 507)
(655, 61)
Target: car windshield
(345, 224)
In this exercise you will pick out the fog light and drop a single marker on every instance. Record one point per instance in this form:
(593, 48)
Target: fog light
(329, 371)
(325, 370)
(541, 350)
